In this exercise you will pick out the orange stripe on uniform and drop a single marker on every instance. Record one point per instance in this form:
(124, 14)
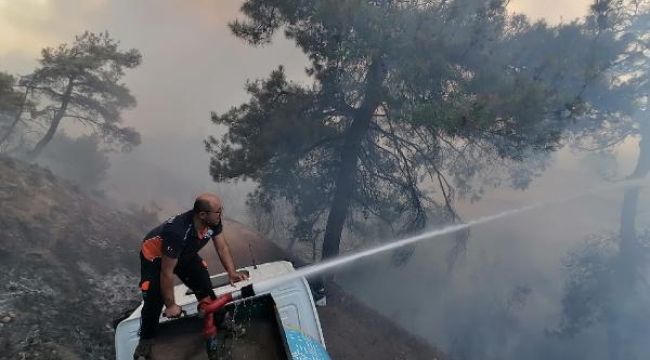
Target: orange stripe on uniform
(152, 248)
(145, 286)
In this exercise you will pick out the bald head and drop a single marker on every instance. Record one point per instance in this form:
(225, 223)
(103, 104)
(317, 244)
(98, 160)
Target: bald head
(207, 202)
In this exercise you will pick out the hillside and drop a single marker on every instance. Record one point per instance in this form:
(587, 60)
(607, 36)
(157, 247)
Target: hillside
(65, 265)
(68, 265)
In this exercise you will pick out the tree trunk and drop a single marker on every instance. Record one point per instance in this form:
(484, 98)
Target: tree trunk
(56, 121)
(628, 259)
(349, 157)
(11, 128)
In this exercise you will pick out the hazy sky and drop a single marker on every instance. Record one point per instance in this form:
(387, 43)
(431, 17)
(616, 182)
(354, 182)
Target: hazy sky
(192, 64)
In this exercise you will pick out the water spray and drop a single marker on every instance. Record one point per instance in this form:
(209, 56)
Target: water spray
(307, 271)
(269, 284)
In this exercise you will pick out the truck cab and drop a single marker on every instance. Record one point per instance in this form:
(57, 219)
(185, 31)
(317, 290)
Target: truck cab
(280, 322)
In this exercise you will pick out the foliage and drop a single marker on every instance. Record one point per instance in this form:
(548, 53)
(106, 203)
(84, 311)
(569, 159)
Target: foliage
(413, 105)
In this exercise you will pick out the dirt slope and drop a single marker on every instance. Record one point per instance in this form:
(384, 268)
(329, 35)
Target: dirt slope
(68, 264)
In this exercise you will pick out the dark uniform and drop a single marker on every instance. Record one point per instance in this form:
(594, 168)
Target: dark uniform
(178, 239)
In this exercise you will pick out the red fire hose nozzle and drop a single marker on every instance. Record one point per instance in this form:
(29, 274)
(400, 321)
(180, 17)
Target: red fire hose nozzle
(207, 308)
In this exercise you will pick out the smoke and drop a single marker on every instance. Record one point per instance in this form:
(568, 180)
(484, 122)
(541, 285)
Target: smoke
(192, 65)
(504, 297)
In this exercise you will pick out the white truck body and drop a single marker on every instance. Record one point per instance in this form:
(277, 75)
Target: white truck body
(293, 299)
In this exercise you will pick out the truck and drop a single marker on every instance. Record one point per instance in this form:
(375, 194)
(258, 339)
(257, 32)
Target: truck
(278, 320)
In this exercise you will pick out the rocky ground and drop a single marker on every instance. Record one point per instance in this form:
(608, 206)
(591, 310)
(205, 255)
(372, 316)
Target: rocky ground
(65, 266)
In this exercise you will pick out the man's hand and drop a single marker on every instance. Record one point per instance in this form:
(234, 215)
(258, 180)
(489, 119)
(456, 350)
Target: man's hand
(237, 276)
(173, 311)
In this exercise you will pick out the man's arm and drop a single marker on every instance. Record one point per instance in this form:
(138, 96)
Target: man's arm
(172, 310)
(221, 245)
(172, 246)
(167, 280)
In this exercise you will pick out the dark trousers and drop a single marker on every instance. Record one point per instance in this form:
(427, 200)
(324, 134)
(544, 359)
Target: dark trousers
(192, 271)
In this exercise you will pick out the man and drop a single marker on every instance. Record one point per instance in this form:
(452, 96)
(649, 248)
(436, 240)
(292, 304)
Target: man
(172, 248)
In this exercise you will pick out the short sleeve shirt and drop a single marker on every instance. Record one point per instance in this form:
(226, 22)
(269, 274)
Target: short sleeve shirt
(179, 238)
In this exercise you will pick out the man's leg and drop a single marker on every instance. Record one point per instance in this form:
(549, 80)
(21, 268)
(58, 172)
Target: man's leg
(153, 304)
(194, 274)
